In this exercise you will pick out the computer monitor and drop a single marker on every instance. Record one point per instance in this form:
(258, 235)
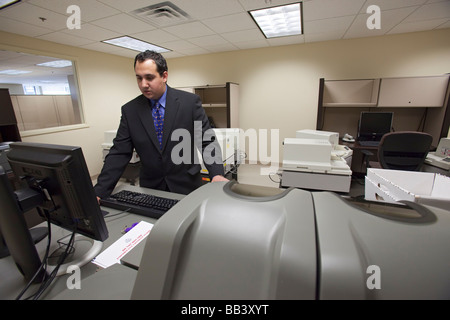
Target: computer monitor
(56, 180)
(373, 125)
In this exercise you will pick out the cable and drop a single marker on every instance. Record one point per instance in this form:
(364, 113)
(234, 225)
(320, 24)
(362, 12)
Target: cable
(54, 272)
(274, 173)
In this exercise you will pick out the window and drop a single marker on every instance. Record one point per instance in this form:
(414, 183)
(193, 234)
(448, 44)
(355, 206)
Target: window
(43, 90)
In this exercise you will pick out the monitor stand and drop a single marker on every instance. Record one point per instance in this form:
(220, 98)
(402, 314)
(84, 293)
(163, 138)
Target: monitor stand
(84, 253)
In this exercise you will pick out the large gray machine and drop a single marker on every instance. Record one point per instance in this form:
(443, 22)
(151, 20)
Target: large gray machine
(234, 241)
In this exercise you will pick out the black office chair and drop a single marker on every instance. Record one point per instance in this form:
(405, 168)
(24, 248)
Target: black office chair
(402, 150)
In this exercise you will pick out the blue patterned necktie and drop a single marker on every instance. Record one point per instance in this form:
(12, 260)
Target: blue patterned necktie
(158, 120)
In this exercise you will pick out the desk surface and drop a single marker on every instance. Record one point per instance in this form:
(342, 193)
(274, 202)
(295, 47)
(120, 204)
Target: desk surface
(12, 281)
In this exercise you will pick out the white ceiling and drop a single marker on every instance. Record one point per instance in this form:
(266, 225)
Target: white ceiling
(214, 25)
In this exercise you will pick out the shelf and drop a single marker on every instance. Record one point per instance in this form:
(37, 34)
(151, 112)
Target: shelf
(221, 103)
(351, 93)
(214, 105)
(355, 104)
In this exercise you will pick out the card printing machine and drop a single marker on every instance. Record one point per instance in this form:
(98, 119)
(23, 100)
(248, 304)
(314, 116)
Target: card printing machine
(231, 241)
(235, 241)
(315, 160)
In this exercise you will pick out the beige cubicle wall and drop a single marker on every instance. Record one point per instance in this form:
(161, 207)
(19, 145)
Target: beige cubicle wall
(44, 111)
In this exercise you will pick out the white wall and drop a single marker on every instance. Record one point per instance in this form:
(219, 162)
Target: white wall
(278, 85)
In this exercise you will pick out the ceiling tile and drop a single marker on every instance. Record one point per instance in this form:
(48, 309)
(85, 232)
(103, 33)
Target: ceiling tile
(389, 19)
(259, 4)
(13, 26)
(89, 9)
(92, 32)
(252, 44)
(28, 13)
(417, 26)
(155, 36)
(129, 5)
(235, 22)
(246, 35)
(325, 9)
(392, 4)
(203, 9)
(213, 40)
(189, 30)
(67, 39)
(437, 10)
(337, 26)
(123, 24)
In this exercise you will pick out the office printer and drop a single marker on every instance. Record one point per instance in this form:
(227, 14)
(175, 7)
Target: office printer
(108, 143)
(315, 160)
(4, 149)
(441, 157)
(228, 139)
(234, 241)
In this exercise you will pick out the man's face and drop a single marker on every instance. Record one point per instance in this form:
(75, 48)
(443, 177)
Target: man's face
(150, 82)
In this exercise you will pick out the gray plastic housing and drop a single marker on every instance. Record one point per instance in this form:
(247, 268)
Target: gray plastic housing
(231, 241)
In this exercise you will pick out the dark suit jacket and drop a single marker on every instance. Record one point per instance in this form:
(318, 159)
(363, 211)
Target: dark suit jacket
(158, 170)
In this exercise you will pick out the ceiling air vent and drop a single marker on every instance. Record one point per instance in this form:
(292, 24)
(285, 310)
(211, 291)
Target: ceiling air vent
(162, 14)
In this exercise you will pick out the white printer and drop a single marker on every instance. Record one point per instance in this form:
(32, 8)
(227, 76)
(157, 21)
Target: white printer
(315, 160)
(441, 157)
(108, 143)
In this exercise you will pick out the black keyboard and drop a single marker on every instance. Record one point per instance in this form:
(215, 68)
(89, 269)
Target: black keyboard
(369, 143)
(139, 203)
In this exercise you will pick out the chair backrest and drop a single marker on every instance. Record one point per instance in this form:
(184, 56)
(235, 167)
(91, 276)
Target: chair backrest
(404, 150)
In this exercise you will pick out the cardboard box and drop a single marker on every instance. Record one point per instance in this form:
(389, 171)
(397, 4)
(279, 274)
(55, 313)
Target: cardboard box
(394, 185)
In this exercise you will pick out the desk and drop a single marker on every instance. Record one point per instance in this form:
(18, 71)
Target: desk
(358, 165)
(12, 281)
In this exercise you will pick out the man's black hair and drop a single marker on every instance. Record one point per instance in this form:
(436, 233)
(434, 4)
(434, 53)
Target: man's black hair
(161, 64)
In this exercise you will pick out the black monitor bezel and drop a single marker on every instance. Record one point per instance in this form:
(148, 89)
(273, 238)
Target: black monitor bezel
(375, 134)
(78, 209)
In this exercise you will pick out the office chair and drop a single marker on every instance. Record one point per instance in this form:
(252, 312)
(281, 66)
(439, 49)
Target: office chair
(402, 150)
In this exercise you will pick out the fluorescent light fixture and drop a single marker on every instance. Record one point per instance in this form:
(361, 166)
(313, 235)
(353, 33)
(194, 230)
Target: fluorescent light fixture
(6, 3)
(14, 72)
(134, 44)
(56, 64)
(279, 21)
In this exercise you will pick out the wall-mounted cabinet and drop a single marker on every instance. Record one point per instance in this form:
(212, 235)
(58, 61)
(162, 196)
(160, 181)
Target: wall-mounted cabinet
(418, 103)
(413, 92)
(221, 103)
(385, 92)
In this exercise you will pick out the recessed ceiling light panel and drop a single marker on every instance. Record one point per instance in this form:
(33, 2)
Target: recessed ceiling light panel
(14, 72)
(134, 44)
(56, 64)
(280, 21)
(6, 3)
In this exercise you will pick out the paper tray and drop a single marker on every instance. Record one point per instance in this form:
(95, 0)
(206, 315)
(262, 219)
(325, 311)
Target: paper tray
(395, 185)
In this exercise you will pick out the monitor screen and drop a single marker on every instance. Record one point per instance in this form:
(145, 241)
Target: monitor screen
(373, 125)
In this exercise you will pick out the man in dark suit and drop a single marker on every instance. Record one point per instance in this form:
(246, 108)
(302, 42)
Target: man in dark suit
(167, 164)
